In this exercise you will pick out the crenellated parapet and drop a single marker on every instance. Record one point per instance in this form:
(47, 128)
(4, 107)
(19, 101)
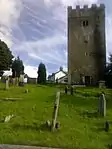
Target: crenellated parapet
(78, 7)
(85, 10)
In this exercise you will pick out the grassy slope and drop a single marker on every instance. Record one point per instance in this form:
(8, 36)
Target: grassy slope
(79, 129)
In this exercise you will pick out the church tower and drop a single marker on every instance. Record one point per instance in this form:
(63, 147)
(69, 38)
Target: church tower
(86, 44)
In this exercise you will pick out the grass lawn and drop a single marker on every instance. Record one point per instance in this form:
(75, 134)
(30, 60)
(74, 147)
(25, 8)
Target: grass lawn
(80, 127)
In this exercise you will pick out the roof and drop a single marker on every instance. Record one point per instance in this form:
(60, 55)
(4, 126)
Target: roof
(58, 72)
(26, 76)
(7, 73)
(62, 77)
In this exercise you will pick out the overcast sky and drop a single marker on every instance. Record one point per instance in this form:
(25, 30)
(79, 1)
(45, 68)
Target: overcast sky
(36, 30)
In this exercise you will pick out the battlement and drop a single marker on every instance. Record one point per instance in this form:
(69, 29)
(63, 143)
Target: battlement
(85, 11)
(86, 7)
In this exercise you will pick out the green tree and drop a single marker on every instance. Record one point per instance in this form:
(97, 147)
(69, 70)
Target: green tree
(5, 57)
(17, 67)
(41, 74)
(109, 65)
(108, 72)
(110, 62)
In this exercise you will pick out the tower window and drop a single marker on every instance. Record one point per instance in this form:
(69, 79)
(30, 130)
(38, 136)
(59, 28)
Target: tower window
(84, 23)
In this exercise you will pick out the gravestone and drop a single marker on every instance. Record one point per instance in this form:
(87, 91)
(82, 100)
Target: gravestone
(102, 105)
(21, 80)
(48, 124)
(7, 118)
(26, 91)
(7, 83)
(13, 81)
(101, 84)
(55, 112)
(16, 81)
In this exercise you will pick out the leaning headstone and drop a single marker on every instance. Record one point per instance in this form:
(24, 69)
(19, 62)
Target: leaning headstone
(55, 112)
(102, 105)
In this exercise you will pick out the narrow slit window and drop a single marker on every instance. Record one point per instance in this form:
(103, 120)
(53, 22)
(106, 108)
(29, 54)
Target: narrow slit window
(84, 23)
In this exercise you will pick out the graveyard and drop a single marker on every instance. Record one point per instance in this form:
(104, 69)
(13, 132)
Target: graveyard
(80, 125)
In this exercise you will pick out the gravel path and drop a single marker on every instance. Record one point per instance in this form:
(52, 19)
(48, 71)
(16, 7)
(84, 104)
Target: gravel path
(22, 147)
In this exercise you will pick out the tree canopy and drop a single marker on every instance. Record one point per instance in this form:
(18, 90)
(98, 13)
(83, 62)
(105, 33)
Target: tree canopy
(108, 72)
(17, 67)
(5, 57)
(41, 74)
(109, 65)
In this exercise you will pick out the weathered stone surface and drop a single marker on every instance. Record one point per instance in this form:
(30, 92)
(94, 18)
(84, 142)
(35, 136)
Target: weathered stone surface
(55, 111)
(86, 60)
(7, 84)
(102, 105)
(7, 118)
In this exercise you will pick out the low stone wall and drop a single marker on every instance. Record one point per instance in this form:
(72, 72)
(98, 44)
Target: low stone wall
(32, 81)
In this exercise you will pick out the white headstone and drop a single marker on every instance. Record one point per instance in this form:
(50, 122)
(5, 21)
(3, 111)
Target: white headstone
(7, 83)
(7, 118)
(21, 79)
(102, 105)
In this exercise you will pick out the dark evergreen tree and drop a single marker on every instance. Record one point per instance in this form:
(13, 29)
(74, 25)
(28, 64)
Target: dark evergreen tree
(110, 63)
(17, 67)
(41, 74)
(5, 57)
(1, 73)
(108, 73)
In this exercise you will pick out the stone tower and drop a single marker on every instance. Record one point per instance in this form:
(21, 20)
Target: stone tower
(86, 44)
